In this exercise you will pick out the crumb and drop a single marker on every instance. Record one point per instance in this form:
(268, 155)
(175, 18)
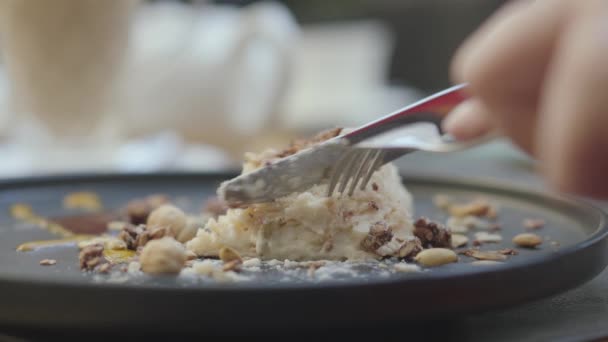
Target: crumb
(375, 186)
(432, 234)
(255, 262)
(533, 223)
(406, 268)
(48, 262)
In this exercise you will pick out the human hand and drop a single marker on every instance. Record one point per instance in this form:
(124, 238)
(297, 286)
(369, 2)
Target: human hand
(538, 73)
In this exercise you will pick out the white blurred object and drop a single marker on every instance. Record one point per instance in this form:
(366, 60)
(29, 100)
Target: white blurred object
(167, 151)
(340, 76)
(210, 71)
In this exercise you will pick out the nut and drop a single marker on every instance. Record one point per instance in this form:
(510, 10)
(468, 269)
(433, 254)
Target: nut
(436, 257)
(167, 216)
(527, 240)
(163, 256)
(432, 234)
(228, 254)
(459, 240)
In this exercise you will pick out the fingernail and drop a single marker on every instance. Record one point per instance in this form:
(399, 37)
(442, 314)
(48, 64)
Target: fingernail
(467, 121)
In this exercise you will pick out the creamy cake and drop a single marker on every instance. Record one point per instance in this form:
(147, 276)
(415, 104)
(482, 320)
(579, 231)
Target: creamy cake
(372, 224)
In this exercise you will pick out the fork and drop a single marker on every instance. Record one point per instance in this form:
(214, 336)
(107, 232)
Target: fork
(395, 135)
(351, 157)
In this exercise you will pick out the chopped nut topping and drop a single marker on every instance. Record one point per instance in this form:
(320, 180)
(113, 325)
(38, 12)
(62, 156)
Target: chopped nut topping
(410, 248)
(138, 236)
(432, 234)
(379, 234)
(48, 262)
(130, 235)
(91, 256)
(300, 144)
(533, 223)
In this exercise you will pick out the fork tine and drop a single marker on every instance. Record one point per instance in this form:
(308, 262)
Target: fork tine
(337, 172)
(366, 159)
(348, 170)
(377, 162)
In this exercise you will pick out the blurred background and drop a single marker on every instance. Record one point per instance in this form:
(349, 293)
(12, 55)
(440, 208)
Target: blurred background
(139, 86)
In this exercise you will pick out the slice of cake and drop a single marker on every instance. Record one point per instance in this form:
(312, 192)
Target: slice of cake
(371, 224)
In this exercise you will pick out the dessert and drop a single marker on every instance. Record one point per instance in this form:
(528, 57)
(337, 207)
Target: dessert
(372, 224)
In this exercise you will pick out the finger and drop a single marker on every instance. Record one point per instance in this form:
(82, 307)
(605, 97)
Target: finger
(574, 137)
(468, 121)
(505, 65)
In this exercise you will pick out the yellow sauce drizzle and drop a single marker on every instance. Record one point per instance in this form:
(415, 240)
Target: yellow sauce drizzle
(33, 245)
(118, 256)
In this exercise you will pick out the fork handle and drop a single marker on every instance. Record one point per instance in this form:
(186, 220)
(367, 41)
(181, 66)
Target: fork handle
(433, 108)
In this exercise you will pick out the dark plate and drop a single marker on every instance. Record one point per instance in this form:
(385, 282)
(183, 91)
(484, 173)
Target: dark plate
(60, 296)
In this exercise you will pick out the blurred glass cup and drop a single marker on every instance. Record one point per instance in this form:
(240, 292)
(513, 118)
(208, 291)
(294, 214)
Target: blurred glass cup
(62, 57)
